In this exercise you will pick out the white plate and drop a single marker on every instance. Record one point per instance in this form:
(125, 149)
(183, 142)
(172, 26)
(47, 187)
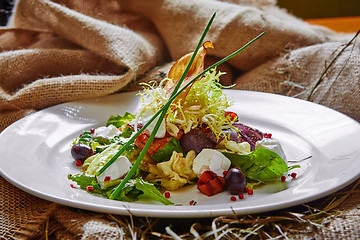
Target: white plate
(35, 155)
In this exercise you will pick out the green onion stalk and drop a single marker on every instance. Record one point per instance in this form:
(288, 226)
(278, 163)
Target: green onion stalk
(164, 110)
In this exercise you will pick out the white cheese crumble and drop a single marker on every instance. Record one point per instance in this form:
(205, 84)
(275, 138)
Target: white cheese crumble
(273, 145)
(210, 159)
(240, 148)
(162, 129)
(119, 168)
(108, 132)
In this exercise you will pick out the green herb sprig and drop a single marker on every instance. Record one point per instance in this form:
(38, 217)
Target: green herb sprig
(164, 109)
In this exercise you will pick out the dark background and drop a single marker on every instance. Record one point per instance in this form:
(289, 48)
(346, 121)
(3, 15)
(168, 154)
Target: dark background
(301, 8)
(321, 8)
(5, 10)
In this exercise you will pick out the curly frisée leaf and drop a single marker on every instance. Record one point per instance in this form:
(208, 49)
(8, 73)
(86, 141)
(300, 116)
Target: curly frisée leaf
(204, 104)
(155, 97)
(179, 67)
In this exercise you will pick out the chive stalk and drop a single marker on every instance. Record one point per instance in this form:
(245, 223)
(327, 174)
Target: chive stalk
(132, 139)
(164, 109)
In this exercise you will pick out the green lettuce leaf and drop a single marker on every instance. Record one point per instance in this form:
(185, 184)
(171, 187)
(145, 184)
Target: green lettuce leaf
(119, 121)
(99, 160)
(127, 132)
(85, 138)
(137, 189)
(134, 190)
(260, 165)
(165, 153)
(83, 181)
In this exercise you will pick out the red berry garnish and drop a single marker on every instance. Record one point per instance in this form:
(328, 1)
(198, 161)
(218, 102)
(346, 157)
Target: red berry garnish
(167, 194)
(283, 178)
(250, 192)
(72, 185)
(293, 175)
(89, 188)
(241, 196)
(107, 178)
(225, 172)
(78, 163)
(192, 202)
(267, 135)
(232, 198)
(246, 190)
(92, 131)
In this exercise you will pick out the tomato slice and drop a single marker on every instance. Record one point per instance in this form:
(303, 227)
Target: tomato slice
(210, 184)
(233, 116)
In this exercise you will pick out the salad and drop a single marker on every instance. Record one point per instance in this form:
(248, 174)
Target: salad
(196, 142)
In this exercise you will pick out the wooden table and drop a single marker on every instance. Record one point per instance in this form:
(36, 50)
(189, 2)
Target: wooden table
(338, 24)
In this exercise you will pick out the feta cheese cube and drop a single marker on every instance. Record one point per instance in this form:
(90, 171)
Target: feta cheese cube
(119, 168)
(108, 132)
(210, 159)
(273, 145)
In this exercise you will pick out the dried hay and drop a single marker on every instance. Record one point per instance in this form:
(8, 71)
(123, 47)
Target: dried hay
(317, 219)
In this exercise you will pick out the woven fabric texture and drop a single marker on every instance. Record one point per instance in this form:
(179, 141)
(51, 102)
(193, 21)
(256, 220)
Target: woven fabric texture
(56, 51)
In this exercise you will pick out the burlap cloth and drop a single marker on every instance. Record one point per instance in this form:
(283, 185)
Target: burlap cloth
(59, 51)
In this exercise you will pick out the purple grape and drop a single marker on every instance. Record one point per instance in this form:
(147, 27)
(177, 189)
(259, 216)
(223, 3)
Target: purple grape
(81, 152)
(235, 181)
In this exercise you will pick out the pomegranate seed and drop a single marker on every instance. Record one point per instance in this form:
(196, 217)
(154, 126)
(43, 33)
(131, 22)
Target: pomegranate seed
(241, 196)
(232, 198)
(224, 173)
(283, 178)
(192, 202)
(246, 190)
(92, 131)
(107, 178)
(251, 192)
(167, 194)
(78, 163)
(293, 175)
(267, 135)
(89, 188)
(123, 176)
(72, 185)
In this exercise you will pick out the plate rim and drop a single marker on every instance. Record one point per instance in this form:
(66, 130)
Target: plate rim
(140, 212)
